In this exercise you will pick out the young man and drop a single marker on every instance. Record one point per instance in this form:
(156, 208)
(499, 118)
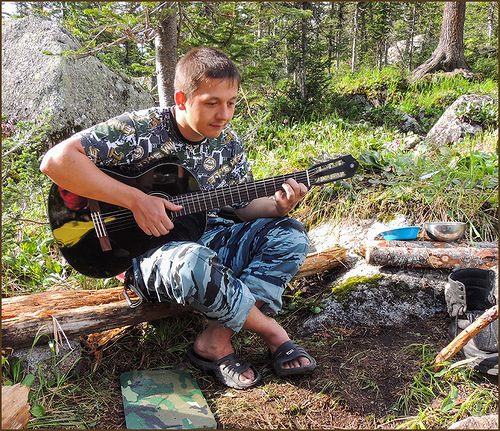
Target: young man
(236, 272)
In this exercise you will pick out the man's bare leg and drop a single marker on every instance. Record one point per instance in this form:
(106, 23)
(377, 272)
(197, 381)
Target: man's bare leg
(215, 341)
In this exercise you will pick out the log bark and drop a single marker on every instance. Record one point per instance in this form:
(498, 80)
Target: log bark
(84, 312)
(322, 261)
(489, 316)
(15, 407)
(429, 254)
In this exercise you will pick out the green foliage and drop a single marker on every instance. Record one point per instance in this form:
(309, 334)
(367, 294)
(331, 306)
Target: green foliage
(29, 257)
(383, 84)
(436, 399)
(485, 115)
(12, 370)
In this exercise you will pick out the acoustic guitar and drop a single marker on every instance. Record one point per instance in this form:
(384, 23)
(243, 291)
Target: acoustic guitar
(100, 240)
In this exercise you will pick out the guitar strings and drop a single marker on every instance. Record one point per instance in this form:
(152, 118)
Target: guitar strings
(198, 201)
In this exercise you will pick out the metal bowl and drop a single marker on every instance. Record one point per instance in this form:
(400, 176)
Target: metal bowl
(445, 231)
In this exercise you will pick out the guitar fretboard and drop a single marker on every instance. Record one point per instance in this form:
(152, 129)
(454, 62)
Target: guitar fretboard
(208, 200)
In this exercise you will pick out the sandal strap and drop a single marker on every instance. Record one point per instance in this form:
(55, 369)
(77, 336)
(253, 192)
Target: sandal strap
(289, 351)
(233, 364)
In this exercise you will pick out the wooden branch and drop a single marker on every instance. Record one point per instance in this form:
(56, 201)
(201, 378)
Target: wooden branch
(489, 316)
(84, 312)
(430, 254)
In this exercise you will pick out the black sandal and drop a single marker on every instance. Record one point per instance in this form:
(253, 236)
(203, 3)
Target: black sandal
(227, 369)
(287, 352)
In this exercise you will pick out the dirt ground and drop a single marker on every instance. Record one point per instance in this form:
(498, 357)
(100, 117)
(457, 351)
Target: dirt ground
(361, 373)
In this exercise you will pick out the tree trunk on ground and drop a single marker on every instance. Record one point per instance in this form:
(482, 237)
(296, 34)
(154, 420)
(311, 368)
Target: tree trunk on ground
(15, 407)
(166, 57)
(84, 312)
(449, 54)
(429, 254)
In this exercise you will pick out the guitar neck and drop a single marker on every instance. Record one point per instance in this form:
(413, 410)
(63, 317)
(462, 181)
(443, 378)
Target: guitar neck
(208, 200)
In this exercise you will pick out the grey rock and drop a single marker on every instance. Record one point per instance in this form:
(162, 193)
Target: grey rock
(69, 93)
(450, 128)
(477, 423)
(394, 299)
(362, 101)
(42, 360)
(409, 124)
(396, 52)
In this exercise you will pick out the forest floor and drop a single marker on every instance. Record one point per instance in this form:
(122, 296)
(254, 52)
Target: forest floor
(362, 376)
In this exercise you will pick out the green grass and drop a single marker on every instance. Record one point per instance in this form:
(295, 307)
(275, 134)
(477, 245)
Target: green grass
(436, 399)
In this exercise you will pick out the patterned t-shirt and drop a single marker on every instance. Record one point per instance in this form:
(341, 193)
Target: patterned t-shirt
(145, 137)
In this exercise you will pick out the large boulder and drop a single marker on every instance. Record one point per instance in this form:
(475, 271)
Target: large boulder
(396, 52)
(455, 124)
(367, 295)
(70, 93)
(487, 422)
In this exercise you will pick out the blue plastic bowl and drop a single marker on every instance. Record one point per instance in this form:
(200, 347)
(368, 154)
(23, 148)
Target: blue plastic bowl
(402, 233)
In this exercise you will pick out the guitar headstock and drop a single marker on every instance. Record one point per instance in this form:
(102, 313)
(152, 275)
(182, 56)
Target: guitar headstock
(333, 170)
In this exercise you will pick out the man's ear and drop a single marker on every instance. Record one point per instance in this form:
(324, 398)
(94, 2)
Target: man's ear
(180, 99)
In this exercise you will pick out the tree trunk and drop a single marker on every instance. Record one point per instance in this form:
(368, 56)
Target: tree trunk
(449, 54)
(354, 38)
(429, 254)
(166, 57)
(331, 38)
(338, 33)
(411, 36)
(491, 18)
(303, 54)
(84, 312)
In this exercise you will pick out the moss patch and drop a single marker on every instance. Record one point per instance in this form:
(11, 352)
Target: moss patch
(342, 290)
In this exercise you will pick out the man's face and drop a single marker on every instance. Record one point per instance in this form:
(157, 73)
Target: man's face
(209, 109)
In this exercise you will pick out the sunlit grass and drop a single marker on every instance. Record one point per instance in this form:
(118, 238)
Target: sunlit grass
(436, 399)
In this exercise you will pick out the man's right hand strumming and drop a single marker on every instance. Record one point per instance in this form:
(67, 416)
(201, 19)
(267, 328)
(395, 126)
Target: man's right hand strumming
(150, 213)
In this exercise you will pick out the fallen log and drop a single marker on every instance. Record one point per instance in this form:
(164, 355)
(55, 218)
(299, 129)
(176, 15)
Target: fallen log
(83, 312)
(489, 316)
(430, 254)
(15, 407)
(322, 261)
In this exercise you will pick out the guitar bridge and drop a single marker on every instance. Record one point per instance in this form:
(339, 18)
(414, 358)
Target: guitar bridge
(100, 228)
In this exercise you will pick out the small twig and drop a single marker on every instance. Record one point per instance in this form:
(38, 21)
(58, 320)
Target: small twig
(33, 221)
(18, 145)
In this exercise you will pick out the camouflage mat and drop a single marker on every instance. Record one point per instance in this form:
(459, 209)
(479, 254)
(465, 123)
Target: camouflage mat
(164, 399)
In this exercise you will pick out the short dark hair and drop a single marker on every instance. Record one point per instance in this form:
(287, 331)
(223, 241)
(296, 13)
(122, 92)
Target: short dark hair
(202, 63)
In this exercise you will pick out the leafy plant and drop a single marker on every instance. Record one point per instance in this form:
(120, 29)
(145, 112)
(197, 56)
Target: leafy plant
(440, 398)
(485, 114)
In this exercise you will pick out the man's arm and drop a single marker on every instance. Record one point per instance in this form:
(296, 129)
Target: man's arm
(284, 201)
(67, 165)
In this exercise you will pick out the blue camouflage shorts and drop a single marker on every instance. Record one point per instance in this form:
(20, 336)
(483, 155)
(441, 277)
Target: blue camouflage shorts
(232, 266)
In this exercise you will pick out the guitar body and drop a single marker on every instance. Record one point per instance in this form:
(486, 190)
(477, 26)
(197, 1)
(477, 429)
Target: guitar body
(73, 228)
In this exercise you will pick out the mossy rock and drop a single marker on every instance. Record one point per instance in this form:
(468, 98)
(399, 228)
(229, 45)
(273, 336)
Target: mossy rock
(342, 290)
